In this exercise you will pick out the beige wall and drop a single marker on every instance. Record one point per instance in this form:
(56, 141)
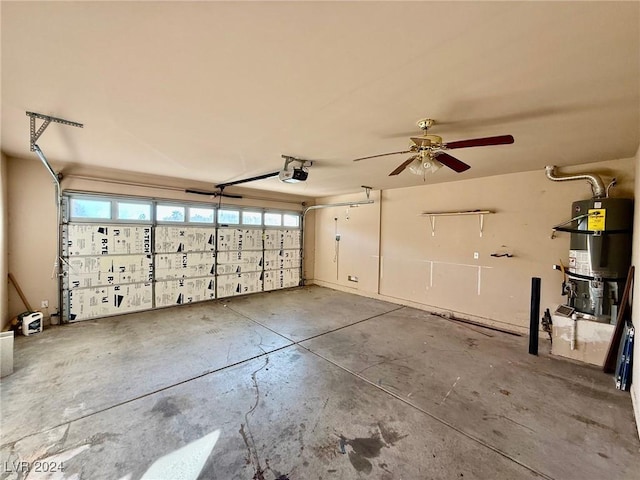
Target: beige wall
(32, 235)
(635, 312)
(357, 251)
(438, 272)
(4, 258)
(32, 217)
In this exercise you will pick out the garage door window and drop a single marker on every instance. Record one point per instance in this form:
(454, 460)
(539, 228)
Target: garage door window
(229, 217)
(134, 211)
(169, 213)
(85, 208)
(200, 215)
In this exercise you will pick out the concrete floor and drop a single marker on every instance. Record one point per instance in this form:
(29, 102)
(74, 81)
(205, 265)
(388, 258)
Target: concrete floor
(307, 383)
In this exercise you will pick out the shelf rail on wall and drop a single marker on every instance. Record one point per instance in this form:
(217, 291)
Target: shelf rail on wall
(432, 217)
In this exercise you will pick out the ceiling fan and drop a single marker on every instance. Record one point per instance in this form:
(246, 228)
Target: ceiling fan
(429, 151)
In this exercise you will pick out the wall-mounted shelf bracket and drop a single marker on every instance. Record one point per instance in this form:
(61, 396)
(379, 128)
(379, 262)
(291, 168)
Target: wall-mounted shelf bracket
(35, 134)
(432, 217)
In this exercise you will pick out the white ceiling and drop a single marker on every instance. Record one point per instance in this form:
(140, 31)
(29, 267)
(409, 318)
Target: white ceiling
(218, 91)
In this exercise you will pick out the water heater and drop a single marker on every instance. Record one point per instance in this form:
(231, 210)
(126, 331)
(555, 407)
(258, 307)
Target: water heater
(600, 255)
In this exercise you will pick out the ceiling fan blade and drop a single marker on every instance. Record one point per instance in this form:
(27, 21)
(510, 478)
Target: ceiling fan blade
(403, 165)
(481, 142)
(381, 155)
(452, 162)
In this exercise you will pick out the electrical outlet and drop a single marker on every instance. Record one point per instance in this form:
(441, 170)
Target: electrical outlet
(44, 304)
(476, 255)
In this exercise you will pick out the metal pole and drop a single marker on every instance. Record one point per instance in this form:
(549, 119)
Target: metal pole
(534, 319)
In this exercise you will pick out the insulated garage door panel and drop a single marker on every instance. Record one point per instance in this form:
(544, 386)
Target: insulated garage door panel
(184, 239)
(86, 303)
(94, 271)
(280, 239)
(107, 239)
(279, 259)
(184, 265)
(240, 261)
(113, 268)
(236, 239)
(284, 278)
(185, 290)
(108, 270)
(239, 284)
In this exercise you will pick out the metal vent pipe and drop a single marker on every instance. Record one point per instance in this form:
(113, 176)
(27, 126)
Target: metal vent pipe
(597, 185)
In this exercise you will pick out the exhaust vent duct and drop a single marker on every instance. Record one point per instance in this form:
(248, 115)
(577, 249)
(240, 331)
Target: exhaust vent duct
(597, 186)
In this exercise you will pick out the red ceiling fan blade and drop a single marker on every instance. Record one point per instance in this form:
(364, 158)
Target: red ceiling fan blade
(403, 165)
(481, 142)
(382, 155)
(452, 162)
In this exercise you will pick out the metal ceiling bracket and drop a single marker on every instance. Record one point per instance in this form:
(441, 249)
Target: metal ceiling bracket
(35, 134)
(367, 190)
(288, 160)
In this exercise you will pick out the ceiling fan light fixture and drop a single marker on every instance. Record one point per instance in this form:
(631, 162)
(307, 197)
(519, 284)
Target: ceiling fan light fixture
(432, 165)
(416, 167)
(423, 166)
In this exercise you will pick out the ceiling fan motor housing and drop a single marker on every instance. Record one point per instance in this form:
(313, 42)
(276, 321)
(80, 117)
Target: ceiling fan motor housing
(425, 123)
(427, 141)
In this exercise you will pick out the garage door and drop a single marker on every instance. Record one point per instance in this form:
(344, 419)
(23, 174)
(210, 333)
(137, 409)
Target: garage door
(124, 255)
